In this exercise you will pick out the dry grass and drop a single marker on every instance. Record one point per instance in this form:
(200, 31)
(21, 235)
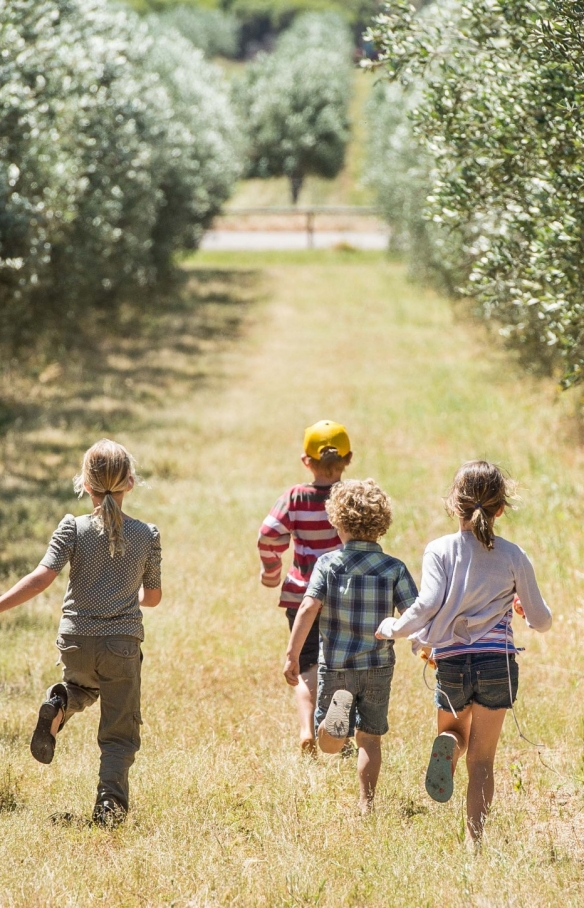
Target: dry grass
(212, 394)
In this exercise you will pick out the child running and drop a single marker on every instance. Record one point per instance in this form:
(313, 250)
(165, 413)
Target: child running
(114, 569)
(351, 589)
(300, 513)
(469, 582)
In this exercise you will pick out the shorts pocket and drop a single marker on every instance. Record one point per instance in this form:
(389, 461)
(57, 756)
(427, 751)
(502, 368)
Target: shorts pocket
(378, 685)
(450, 690)
(493, 686)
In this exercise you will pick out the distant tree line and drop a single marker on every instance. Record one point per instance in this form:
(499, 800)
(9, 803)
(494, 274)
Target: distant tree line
(477, 150)
(255, 24)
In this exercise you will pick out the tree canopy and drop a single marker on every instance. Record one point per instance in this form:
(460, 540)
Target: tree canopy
(117, 147)
(500, 125)
(293, 103)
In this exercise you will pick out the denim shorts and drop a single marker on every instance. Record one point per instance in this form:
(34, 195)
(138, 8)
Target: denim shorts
(370, 688)
(476, 678)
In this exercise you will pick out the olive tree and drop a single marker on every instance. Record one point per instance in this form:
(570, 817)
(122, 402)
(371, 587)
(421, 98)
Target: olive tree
(500, 122)
(108, 162)
(202, 134)
(214, 31)
(293, 103)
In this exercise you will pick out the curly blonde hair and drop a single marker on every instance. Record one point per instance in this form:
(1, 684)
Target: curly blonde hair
(361, 508)
(479, 490)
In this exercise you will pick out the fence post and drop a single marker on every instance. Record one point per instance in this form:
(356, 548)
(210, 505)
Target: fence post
(310, 228)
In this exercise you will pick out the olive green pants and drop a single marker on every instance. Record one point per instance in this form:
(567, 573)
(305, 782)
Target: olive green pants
(108, 668)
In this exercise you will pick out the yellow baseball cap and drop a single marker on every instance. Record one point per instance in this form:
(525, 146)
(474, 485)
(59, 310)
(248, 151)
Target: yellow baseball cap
(326, 434)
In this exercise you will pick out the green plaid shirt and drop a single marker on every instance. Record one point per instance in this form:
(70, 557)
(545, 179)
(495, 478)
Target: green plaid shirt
(358, 586)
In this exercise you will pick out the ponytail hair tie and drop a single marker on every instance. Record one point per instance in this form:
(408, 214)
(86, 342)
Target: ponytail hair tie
(478, 505)
(108, 492)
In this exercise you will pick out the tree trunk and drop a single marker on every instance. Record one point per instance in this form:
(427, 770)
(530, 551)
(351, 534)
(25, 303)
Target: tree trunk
(296, 181)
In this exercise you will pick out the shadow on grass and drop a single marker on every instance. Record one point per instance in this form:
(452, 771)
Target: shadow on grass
(116, 374)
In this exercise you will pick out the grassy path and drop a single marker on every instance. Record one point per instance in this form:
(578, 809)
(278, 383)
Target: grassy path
(213, 401)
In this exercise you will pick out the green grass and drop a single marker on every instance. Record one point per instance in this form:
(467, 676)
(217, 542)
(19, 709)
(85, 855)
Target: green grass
(212, 392)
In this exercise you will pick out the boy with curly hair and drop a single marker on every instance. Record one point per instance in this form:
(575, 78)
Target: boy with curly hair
(353, 589)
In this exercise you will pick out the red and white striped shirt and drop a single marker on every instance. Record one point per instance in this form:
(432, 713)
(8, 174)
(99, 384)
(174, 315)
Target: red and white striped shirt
(299, 513)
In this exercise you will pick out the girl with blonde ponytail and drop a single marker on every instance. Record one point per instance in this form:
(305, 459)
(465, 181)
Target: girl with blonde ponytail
(114, 570)
(462, 621)
(107, 473)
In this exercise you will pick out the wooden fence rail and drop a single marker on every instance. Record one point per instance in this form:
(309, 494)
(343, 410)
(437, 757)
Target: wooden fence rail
(309, 212)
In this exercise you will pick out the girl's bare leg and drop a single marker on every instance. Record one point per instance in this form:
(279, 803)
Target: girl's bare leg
(306, 703)
(485, 731)
(368, 766)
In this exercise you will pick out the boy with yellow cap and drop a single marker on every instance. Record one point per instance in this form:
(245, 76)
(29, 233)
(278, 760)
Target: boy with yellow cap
(299, 514)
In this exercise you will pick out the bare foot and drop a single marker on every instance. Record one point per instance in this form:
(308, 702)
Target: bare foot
(308, 747)
(367, 807)
(473, 846)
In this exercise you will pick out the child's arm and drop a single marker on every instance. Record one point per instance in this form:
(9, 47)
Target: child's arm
(273, 540)
(150, 593)
(535, 609)
(149, 598)
(304, 620)
(428, 602)
(27, 588)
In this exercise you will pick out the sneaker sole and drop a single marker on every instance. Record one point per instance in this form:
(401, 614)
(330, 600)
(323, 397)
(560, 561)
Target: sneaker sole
(336, 721)
(439, 779)
(42, 745)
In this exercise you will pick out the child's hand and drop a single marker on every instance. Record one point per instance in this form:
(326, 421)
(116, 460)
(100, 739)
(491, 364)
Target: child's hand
(426, 655)
(385, 629)
(291, 671)
(270, 580)
(518, 607)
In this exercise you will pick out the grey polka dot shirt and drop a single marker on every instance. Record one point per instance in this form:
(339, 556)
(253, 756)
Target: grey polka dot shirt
(102, 593)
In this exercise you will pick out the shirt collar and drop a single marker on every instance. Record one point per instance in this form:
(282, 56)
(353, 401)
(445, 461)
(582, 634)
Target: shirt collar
(360, 545)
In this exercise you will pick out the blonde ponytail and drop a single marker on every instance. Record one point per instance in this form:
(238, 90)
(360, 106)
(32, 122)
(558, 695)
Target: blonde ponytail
(108, 468)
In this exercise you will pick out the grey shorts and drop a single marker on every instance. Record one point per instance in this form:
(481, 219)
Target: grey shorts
(370, 688)
(476, 678)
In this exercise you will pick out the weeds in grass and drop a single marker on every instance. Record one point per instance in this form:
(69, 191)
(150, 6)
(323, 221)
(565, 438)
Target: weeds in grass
(10, 794)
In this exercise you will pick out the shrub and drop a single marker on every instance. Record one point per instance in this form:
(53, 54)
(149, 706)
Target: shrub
(107, 161)
(202, 135)
(500, 122)
(294, 103)
(214, 31)
(398, 169)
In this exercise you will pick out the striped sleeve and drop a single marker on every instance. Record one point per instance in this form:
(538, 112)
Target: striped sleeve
(274, 539)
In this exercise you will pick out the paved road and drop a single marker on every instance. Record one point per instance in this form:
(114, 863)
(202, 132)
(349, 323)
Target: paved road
(261, 240)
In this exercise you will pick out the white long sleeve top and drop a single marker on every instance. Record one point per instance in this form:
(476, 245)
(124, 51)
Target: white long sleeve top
(466, 589)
